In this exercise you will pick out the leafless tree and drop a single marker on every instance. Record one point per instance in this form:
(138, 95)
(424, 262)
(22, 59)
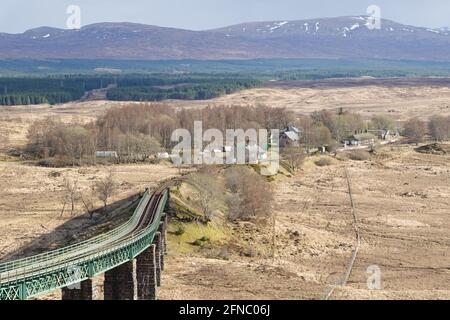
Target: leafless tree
(382, 122)
(105, 188)
(71, 194)
(88, 201)
(440, 128)
(415, 130)
(340, 124)
(209, 193)
(51, 137)
(135, 147)
(294, 157)
(251, 196)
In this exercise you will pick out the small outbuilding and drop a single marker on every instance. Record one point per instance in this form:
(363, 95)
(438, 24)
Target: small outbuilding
(362, 139)
(106, 154)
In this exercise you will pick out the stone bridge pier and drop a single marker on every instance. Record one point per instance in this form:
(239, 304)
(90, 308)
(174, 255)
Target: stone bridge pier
(136, 279)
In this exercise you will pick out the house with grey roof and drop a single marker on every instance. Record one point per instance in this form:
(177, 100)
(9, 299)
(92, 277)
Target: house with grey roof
(290, 137)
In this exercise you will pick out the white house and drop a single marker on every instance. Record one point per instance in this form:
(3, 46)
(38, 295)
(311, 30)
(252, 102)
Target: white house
(106, 154)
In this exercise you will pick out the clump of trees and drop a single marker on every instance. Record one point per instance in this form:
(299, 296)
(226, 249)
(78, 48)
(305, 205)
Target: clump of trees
(325, 128)
(246, 194)
(71, 194)
(382, 122)
(52, 90)
(60, 89)
(439, 127)
(74, 143)
(314, 132)
(134, 147)
(183, 91)
(340, 124)
(294, 157)
(208, 193)
(160, 120)
(156, 121)
(105, 188)
(138, 131)
(415, 130)
(250, 194)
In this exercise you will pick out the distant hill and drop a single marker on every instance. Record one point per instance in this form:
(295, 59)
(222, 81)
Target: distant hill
(329, 38)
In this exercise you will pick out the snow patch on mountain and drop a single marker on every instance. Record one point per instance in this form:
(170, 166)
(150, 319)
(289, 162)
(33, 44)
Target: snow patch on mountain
(277, 25)
(434, 31)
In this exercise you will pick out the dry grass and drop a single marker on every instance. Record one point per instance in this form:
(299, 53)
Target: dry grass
(30, 197)
(402, 198)
(407, 236)
(400, 103)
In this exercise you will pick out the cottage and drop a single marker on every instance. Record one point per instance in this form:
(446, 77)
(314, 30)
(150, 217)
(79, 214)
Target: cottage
(362, 139)
(106, 154)
(384, 135)
(290, 137)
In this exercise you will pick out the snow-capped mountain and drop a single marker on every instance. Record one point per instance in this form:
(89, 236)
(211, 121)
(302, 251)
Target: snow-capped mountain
(343, 37)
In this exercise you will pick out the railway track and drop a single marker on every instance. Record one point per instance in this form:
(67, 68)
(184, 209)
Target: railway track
(30, 277)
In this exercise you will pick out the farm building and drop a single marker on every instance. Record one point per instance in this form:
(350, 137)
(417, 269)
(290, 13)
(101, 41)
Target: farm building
(384, 135)
(106, 154)
(290, 137)
(362, 139)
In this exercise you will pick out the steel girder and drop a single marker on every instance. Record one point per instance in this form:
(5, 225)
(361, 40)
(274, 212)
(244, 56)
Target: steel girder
(74, 272)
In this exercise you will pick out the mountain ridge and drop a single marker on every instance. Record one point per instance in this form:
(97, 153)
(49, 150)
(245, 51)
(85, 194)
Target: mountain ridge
(341, 37)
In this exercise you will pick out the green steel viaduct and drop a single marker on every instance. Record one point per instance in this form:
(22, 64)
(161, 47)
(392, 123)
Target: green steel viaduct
(130, 256)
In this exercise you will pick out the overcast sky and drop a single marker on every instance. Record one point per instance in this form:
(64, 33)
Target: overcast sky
(20, 15)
